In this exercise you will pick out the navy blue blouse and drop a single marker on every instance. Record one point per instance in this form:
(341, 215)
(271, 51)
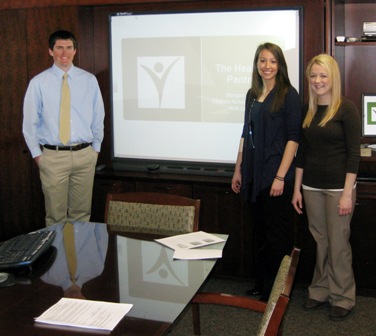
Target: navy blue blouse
(265, 136)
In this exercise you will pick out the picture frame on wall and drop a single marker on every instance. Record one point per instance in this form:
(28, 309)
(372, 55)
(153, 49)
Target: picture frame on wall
(369, 115)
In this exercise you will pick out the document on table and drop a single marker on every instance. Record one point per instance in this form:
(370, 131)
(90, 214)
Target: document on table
(85, 314)
(193, 254)
(190, 240)
(186, 245)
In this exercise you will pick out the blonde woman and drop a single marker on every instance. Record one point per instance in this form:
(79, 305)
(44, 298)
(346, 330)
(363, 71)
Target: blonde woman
(326, 168)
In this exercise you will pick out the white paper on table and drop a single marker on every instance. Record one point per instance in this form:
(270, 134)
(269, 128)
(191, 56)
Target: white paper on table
(85, 314)
(190, 240)
(193, 254)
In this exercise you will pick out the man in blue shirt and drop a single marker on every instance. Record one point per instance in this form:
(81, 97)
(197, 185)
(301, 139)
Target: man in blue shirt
(66, 169)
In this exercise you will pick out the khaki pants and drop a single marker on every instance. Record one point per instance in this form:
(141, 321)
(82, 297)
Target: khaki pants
(333, 278)
(67, 181)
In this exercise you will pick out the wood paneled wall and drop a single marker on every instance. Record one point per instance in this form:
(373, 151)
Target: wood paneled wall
(25, 27)
(24, 35)
(13, 80)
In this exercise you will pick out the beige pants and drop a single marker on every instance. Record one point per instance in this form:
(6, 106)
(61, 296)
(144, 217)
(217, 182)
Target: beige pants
(333, 278)
(67, 181)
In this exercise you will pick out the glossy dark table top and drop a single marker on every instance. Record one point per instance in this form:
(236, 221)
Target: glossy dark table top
(139, 272)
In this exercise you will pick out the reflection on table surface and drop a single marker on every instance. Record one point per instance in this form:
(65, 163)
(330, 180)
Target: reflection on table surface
(158, 286)
(109, 268)
(91, 243)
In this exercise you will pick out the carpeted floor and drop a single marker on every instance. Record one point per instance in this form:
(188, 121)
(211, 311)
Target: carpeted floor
(229, 321)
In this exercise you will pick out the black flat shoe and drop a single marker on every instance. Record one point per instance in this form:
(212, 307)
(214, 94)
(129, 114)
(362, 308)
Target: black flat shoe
(312, 304)
(338, 313)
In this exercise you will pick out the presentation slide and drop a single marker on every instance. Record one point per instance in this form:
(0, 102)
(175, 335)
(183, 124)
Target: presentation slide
(179, 80)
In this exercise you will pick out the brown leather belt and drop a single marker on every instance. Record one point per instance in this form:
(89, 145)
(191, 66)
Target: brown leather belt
(68, 148)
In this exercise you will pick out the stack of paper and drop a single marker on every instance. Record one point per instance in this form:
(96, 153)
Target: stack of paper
(187, 246)
(85, 314)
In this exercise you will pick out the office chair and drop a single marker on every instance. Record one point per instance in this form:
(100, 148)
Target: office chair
(273, 310)
(151, 215)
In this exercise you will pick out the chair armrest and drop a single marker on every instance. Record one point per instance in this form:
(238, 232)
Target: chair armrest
(230, 300)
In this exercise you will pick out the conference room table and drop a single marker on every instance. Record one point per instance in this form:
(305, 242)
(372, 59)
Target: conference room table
(134, 271)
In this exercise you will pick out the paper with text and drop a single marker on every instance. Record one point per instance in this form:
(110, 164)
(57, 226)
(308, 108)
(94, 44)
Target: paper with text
(190, 240)
(85, 314)
(194, 254)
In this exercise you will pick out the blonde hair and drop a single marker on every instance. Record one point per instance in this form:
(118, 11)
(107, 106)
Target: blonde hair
(331, 67)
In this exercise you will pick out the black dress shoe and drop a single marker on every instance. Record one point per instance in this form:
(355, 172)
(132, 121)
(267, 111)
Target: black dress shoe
(338, 313)
(256, 291)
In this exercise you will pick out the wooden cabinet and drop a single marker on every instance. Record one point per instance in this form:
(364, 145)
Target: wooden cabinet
(168, 187)
(223, 211)
(363, 238)
(357, 61)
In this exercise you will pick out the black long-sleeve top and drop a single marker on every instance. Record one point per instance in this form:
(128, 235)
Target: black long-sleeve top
(273, 130)
(327, 153)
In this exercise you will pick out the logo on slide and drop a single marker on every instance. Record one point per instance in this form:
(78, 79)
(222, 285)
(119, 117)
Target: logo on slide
(161, 82)
(371, 113)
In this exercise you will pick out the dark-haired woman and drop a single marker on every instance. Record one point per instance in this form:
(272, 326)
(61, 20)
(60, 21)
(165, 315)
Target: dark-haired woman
(264, 170)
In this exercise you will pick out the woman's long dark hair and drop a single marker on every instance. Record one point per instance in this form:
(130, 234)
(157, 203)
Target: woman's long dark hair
(282, 81)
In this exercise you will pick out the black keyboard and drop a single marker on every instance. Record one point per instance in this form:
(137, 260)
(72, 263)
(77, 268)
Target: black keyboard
(25, 249)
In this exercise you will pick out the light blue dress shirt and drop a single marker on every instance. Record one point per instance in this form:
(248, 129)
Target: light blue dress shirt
(42, 109)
